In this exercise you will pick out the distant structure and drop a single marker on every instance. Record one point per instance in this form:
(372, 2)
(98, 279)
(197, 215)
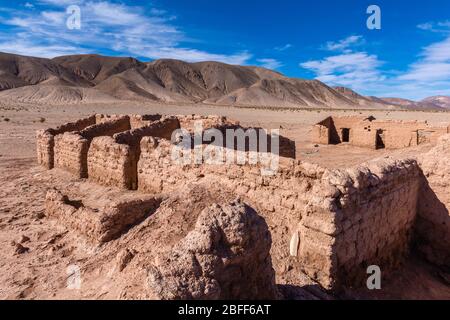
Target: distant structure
(376, 134)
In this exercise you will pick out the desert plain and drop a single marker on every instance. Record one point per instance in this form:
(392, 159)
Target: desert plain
(36, 251)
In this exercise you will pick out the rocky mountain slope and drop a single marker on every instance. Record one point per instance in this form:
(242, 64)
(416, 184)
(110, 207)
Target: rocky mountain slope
(95, 78)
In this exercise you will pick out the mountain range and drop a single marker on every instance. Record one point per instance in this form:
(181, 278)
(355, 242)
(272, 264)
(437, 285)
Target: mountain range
(95, 78)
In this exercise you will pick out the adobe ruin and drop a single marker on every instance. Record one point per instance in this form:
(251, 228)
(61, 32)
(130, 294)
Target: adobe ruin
(330, 224)
(376, 134)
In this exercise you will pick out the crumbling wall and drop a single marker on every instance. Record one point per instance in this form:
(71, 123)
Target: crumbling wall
(433, 222)
(375, 134)
(45, 143)
(99, 224)
(101, 118)
(341, 123)
(71, 149)
(334, 222)
(45, 139)
(138, 121)
(280, 198)
(344, 220)
(369, 220)
(71, 153)
(431, 135)
(161, 129)
(74, 126)
(363, 137)
(112, 164)
(113, 161)
(188, 122)
(320, 134)
(398, 134)
(225, 256)
(107, 128)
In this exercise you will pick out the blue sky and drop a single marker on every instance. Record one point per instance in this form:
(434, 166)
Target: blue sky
(328, 40)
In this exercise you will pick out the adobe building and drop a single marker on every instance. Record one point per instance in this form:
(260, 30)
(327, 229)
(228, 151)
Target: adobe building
(330, 224)
(375, 134)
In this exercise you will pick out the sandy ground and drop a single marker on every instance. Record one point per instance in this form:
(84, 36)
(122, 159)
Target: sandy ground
(40, 273)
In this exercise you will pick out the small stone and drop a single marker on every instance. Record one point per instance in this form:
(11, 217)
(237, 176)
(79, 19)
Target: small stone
(39, 215)
(24, 239)
(20, 249)
(124, 258)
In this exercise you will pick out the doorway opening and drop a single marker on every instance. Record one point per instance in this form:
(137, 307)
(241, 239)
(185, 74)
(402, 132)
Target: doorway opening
(345, 135)
(380, 139)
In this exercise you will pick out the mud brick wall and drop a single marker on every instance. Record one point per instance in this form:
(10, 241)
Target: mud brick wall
(138, 121)
(329, 131)
(281, 199)
(320, 134)
(107, 128)
(111, 164)
(393, 137)
(397, 138)
(431, 135)
(370, 221)
(101, 118)
(70, 153)
(344, 220)
(188, 122)
(74, 126)
(433, 222)
(101, 224)
(362, 137)
(45, 143)
(339, 123)
(161, 129)
(398, 134)
(71, 149)
(372, 133)
(45, 140)
(113, 161)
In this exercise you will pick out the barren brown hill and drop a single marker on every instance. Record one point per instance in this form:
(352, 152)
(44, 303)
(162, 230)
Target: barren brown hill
(96, 68)
(426, 104)
(18, 71)
(94, 78)
(364, 101)
(440, 101)
(55, 94)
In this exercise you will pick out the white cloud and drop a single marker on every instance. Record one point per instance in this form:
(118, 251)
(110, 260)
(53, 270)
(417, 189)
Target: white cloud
(269, 63)
(61, 3)
(107, 25)
(428, 75)
(434, 64)
(438, 27)
(194, 55)
(356, 70)
(24, 47)
(284, 48)
(344, 44)
(428, 26)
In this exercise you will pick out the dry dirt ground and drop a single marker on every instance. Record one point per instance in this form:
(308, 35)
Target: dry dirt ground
(41, 272)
